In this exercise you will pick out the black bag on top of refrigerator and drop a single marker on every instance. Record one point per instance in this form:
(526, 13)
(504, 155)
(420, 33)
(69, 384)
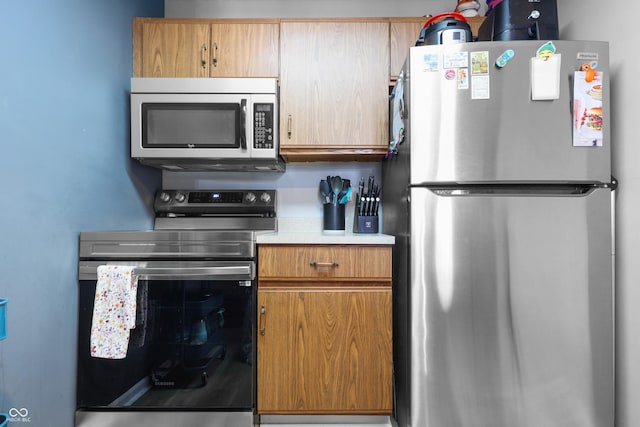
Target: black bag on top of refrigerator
(521, 20)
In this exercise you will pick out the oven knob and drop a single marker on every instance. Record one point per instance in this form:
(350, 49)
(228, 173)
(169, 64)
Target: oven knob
(265, 197)
(165, 197)
(250, 197)
(180, 197)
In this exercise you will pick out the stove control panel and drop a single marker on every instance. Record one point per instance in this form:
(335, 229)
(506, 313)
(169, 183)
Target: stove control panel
(228, 202)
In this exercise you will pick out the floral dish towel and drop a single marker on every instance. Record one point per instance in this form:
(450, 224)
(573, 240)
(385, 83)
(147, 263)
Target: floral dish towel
(114, 311)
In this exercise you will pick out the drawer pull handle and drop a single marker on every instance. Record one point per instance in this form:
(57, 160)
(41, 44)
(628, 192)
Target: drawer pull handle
(316, 264)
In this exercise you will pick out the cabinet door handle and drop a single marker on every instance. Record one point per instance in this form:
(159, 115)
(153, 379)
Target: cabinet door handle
(214, 60)
(262, 314)
(316, 264)
(289, 123)
(203, 55)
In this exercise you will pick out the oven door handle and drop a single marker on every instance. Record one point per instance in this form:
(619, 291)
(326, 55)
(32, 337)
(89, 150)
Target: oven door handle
(176, 270)
(160, 273)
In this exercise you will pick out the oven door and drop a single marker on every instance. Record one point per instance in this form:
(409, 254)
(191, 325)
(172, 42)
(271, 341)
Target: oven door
(192, 346)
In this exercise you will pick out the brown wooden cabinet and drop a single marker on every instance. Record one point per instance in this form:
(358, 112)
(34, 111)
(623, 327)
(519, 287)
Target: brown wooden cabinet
(171, 47)
(403, 33)
(324, 329)
(334, 89)
(245, 49)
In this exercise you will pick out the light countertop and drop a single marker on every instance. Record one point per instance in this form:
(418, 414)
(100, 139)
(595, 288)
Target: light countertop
(309, 231)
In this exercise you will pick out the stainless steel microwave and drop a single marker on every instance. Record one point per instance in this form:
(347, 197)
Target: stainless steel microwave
(228, 124)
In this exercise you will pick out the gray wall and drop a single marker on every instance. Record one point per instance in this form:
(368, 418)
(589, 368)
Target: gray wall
(303, 8)
(577, 23)
(579, 20)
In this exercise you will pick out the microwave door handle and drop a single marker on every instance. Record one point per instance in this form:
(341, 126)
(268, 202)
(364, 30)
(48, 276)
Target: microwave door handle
(243, 124)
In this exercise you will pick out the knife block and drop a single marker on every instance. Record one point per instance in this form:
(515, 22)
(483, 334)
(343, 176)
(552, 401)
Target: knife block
(365, 223)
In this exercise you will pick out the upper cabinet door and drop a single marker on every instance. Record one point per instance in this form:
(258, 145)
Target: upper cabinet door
(244, 50)
(173, 49)
(334, 78)
(168, 47)
(403, 34)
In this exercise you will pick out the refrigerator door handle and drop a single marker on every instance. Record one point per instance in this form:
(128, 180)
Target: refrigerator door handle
(516, 190)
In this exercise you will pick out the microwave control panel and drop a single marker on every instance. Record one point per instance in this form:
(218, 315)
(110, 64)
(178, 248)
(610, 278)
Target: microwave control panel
(263, 125)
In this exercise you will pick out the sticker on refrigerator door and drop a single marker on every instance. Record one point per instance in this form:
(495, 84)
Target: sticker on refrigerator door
(504, 58)
(546, 51)
(479, 63)
(455, 60)
(463, 78)
(545, 78)
(587, 110)
(589, 69)
(545, 73)
(587, 56)
(430, 62)
(479, 87)
(450, 74)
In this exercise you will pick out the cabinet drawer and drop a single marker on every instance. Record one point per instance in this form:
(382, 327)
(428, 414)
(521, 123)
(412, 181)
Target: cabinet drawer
(323, 262)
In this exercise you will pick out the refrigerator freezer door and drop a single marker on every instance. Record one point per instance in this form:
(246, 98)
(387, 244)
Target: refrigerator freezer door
(470, 121)
(511, 310)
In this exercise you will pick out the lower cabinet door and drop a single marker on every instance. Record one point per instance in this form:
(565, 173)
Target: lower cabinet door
(325, 351)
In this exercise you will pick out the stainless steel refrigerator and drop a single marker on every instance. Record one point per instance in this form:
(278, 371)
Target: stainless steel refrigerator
(500, 195)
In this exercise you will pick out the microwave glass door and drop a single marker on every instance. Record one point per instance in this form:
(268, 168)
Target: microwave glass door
(193, 125)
